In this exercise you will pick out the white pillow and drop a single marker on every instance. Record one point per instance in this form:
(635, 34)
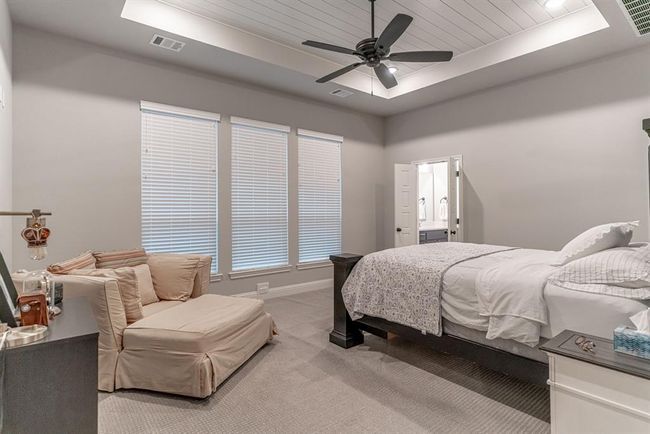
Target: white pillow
(596, 239)
(622, 266)
(621, 272)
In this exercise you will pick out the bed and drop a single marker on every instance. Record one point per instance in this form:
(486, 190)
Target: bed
(387, 291)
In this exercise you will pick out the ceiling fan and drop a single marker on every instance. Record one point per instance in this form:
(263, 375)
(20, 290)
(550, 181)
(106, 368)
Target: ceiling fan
(372, 51)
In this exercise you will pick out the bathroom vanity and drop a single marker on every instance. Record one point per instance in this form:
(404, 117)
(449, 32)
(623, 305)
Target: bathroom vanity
(433, 236)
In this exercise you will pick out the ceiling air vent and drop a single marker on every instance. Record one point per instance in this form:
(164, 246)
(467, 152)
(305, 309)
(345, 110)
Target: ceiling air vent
(638, 13)
(167, 43)
(341, 93)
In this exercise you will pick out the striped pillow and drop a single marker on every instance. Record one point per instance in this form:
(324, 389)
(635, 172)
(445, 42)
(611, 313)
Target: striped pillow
(120, 258)
(84, 261)
(623, 271)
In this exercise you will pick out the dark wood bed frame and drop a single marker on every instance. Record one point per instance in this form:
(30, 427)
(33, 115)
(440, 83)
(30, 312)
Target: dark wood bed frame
(348, 333)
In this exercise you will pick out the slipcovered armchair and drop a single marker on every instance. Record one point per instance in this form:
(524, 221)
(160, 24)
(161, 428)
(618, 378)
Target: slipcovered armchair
(185, 346)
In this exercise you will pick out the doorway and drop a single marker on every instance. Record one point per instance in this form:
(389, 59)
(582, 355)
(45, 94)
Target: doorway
(428, 201)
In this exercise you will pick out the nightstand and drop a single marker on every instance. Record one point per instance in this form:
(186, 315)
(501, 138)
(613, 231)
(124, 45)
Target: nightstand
(596, 392)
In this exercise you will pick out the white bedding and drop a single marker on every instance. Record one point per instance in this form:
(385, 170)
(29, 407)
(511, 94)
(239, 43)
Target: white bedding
(589, 313)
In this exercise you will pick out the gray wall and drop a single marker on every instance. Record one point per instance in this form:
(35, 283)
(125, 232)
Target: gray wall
(5, 132)
(544, 158)
(77, 144)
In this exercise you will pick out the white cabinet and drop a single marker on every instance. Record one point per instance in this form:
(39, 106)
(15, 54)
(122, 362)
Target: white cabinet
(603, 392)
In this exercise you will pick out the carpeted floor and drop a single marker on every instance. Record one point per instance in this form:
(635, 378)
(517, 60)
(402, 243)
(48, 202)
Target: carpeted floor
(301, 383)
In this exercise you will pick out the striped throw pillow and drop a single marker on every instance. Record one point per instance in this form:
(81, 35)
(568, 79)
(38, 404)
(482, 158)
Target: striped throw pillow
(84, 261)
(120, 258)
(623, 272)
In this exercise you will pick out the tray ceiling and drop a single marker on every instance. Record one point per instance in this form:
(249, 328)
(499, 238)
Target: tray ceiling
(258, 41)
(456, 25)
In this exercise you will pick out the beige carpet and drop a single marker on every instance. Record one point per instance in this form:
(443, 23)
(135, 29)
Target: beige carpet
(301, 383)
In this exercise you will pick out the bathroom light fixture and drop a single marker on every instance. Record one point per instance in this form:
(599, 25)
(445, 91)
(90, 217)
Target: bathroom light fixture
(553, 4)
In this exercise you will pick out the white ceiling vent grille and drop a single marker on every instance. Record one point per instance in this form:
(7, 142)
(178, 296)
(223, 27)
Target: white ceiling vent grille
(167, 43)
(341, 93)
(638, 13)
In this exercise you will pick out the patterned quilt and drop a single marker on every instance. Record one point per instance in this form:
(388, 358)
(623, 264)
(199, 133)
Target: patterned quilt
(403, 284)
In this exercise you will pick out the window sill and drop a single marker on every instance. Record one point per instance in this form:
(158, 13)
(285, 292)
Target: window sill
(259, 272)
(216, 277)
(315, 264)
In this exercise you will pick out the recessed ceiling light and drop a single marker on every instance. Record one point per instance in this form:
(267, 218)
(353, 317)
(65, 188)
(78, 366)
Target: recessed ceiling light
(392, 69)
(553, 4)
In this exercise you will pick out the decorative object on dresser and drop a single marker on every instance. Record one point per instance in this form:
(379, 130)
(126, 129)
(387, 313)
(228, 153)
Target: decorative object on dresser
(32, 308)
(596, 390)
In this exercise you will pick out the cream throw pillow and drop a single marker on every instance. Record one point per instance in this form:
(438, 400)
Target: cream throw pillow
(595, 240)
(145, 285)
(173, 275)
(127, 284)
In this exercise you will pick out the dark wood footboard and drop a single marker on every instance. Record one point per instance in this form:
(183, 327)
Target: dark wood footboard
(348, 333)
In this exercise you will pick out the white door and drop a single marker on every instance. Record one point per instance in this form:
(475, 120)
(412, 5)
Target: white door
(406, 230)
(455, 199)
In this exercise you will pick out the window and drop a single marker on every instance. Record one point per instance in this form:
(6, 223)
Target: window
(319, 196)
(259, 195)
(179, 180)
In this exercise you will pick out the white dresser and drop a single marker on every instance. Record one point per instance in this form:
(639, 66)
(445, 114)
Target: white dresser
(599, 392)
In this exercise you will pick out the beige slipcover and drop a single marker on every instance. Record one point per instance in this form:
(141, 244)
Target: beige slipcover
(186, 348)
(190, 348)
(106, 303)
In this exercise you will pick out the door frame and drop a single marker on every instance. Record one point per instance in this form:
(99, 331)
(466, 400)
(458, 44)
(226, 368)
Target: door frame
(451, 159)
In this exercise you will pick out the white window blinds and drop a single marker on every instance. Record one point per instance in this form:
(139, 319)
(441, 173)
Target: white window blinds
(179, 181)
(319, 196)
(259, 195)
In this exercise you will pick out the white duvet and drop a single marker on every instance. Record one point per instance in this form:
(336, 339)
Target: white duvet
(511, 296)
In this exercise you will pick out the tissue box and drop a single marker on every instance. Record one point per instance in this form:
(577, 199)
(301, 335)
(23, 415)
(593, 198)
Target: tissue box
(632, 342)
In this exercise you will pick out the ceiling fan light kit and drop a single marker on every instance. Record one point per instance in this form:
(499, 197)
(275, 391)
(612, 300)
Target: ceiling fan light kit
(373, 52)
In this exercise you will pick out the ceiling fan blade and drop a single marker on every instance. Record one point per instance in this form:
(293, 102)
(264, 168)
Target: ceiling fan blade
(341, 71)
(329, 47)
(385, 76)
(422, 56)
(393, 31)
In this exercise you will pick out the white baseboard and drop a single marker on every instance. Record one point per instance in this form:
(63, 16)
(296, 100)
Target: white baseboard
(297, 288)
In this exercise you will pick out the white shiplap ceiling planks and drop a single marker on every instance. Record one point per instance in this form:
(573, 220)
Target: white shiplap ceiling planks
(456, 25)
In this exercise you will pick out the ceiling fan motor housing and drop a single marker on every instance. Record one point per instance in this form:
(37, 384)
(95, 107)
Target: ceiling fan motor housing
(368, 52)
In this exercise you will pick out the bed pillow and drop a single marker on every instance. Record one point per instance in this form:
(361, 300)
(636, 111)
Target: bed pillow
(622, 271)
(84, 261)
(596, 239)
